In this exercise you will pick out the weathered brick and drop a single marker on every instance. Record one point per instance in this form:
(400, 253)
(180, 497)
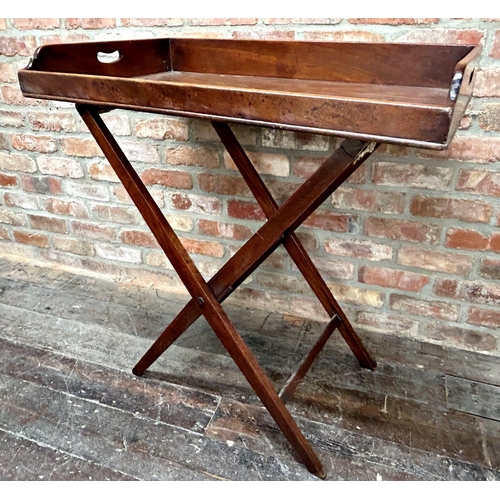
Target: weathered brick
(192, 157)
(494, 243)
(117, 123)
(196, 203)
(487, 82)
(4, 234)
(395, 21)
(369, 200)
(490, 268)
(72, 245)
(90, 23)
(359, 249)
(358, 296)
(101, 170)
(12, 218)
(64, 37)
(392, 278)
(282, 282)
(434, 260)
(168, 178)
(138, 238)
(476, 292)
(45, 223)
(7, 180)
(111, 252)
(11, 119)
(402, 230)
(384, 323)
(484, 317)
(265, 163)
(121, 215)
(219, 21)
(409, 175)
(38, 143)
(61, 167)
(448, 208)
(329, 221)
(466, 239)
(210, 248)
(28, 23)
(17, 162)
(480, 182)
(62, 207)
(93, 231)
(13, 95)
(282, 34)
(302, 20)
(224, 230)
(80, 147)
(337, 269)
(276, 138)
(42, 185)
(162, 128)
(54, 122)
(245, 210)
(461, 337)
(140, 152)
(28, 238)
(7, 73)
(344, 36)
(495, 48)
(433, 309)
(442, 36)
(180, 222)
(89, 191)
(476, 149)
(203, 131)
(152, 21)
(157, 259)
(17, 46)
(489, 117)
(223, 184)
(21, 200)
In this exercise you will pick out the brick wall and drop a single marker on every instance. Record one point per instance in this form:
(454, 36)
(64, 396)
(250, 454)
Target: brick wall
(410, 246)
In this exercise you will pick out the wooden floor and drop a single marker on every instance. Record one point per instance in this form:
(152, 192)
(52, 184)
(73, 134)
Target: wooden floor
(70, 408)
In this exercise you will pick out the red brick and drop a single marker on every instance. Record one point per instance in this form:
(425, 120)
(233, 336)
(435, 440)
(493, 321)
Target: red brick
(302, 20)
(484, 317)
(152, 21)
(494, 243)
(395, 21)
(359, 249)
(487, 82)
(12, 218)
(121, 215)
(465, 239)
(343, 36)
(72, 245)
(434, 309)
(7, 73)
(489, 117)
(475, 149)
(244, 210)
(50, 224)
(461, 337)
(3, 23)
(223, 184)
(138, 238)
(329, 221)
(13, 95)
(392, 278)
(435, 261)
(71, 208)
(35, 23)
(42, 185)
(402, 230)
(264, 163)
(81, 147)
(8, 180)
(101, 170)
(93, 231)
(490, 268)
(478, 292)
(280, 189)
(38, 143)
(210, 248)
(443, 36)
(480, 182)
(369, 200)
(11, 119)
(111, 252)
(4, 234)
(224, 230)
(448, 208)
(17, 162)
(54, 122)
(495, 48)
(64, 37)
(27, 238)
(17, 46)
(90, 23)
(168, 178)
(61, 167)
(192, 157)
(196, 203)
(162, 128)
(21, 200)
(409, 175)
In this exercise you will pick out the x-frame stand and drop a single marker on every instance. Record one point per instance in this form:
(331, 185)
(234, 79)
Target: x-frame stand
(279, 229)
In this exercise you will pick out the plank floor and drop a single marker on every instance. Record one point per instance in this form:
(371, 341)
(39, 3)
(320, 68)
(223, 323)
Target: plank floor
(70, 408)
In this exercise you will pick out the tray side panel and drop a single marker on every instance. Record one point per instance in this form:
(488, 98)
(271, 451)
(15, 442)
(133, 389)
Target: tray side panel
(386, 64)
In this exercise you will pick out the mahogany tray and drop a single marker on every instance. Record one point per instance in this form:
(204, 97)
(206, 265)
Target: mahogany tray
(394, 93)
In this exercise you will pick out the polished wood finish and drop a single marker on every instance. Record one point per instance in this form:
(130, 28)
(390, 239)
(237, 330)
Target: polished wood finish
(395, 93)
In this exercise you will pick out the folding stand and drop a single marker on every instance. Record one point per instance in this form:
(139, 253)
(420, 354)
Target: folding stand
(350, 90)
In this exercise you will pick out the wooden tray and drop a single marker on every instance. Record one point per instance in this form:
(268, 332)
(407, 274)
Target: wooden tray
(395, 93)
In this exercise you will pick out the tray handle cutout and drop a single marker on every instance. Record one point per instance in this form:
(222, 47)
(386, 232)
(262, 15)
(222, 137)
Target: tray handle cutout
(109, 57)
